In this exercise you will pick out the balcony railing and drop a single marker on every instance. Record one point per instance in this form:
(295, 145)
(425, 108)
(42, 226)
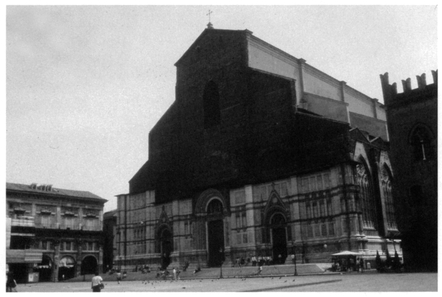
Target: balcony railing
(68, 226)
(23, 221)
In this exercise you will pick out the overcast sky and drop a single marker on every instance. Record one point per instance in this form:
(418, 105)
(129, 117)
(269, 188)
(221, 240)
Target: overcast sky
(85, 84)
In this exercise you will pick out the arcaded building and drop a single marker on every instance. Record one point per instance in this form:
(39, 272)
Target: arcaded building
(412, 123)
(52, 234)
(260, 154)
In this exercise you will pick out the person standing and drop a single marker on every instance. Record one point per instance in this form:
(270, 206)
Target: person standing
(361, 264)
(97, 283)
(11, 284)
(254, 260)
(119, 276)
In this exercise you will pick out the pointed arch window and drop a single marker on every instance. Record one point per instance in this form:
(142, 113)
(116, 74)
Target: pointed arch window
(421, 142)
(212, 113)
(388, 197)
(367, 196)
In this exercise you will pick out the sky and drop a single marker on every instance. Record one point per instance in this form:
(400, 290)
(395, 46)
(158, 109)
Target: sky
(86, 84)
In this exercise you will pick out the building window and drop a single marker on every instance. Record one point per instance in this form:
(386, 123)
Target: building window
(322, 208)
(367, 195)
(215, 207)
(45, 220)
(389, 205)
(317, 230)
(241, 219)
(329, 208)
(69, 222)
(239, 197)
(331, 229)
(186, 228)
(212, 113)
(315, 210)
(324, 229)
(420, 141)
(310, 231)
(238, 238)
(308, 211)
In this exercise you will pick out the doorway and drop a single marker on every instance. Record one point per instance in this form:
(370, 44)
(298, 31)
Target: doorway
(166, 247)
(216, 242)
(66, 268)
(279, 239)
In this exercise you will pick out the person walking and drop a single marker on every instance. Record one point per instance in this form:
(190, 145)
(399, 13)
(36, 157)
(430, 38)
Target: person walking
(11, 284)
(97, 283)
(259, 270)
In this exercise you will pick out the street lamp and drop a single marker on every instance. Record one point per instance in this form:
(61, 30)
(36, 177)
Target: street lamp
(294, 260)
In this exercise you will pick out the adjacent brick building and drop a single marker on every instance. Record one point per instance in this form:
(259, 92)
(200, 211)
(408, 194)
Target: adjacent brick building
(52, 234)
(260, 154)
(110, 246)
(412, 123)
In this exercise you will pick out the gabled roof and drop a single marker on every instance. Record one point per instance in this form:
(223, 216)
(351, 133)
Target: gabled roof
(364, 137)
(52, 192)
(203, 34)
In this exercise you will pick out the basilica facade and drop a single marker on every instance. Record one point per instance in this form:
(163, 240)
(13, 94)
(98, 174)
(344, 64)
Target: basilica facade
(261, 154)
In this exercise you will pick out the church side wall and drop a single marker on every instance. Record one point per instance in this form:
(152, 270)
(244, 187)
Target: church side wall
(358, 102)
(266, 60)
(381, 112)
(312, 85)
(336, 110)
(320, 84)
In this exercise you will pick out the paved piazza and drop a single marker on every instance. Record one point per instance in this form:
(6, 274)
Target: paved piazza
(402, 282)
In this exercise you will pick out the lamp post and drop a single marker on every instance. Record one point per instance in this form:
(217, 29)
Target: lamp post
(294, 260)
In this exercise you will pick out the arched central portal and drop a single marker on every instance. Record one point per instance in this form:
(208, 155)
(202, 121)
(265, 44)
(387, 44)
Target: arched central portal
(279, 238)
(215, 230)
(66, 268)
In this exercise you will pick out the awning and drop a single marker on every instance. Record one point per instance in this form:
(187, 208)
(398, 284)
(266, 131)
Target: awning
(347, 253)
(23, 256)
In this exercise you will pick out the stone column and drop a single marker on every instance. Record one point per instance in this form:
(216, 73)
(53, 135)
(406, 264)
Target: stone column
(301, 63)
(56, 261)
(100, 258)
(79, 245)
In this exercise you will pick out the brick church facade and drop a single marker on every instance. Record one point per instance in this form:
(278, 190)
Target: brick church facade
(260, 154)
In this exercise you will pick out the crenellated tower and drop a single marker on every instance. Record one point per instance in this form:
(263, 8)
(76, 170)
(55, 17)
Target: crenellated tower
(412, 127)
(390, 91)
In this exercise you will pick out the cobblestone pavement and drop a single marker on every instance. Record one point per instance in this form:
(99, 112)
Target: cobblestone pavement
(402, 282)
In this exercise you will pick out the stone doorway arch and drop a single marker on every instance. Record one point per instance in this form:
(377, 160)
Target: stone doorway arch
(166, 246)
(210, 212)
(215, 233)
(66, 268)
(45, 269)
(89, 265)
